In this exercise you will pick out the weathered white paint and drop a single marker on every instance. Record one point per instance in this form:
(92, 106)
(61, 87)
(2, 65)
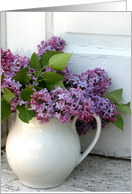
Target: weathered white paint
(25, 31)
(3, 30)
(112, 23)
(97, 39)
(48, 25)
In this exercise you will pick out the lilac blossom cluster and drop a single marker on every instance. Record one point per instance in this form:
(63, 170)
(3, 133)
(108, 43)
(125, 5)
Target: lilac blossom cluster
(94, 84)
(53, 44)
(91, 81)
(61, 104)
(12, 64)
(14, 87)
(7, 59)
(42, 104)
(70, 103)
(102, 107)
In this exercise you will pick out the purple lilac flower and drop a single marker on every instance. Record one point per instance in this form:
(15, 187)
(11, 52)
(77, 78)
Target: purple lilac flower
(42, 104)
(14, 87)
(12, 64)
(91, 81)
(53, 44)
(94, 84)
(61, 104)
(11, 85)
(82, 127)
(7, 59)
(105, 108)
(17, 101)
(102, 107)
(71, 103)
(82, 107)
(62, 101)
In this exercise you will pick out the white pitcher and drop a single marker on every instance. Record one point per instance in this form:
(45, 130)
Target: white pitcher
(44, 155)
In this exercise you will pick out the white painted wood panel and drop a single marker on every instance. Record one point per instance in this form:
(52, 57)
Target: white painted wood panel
(101, 39)
(3, 29)
(25, 31)
(21, 33)
(110, 23)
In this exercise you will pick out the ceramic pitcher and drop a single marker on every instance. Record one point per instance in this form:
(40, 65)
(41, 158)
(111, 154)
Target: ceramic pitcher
(44, 155)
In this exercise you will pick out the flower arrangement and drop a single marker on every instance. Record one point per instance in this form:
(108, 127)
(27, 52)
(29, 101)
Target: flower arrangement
(44, 87)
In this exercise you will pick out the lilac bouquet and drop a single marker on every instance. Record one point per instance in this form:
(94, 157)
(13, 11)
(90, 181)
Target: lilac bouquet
(44, 87)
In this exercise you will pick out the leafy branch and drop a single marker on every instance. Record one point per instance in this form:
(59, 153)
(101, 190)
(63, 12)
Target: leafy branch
(6, 97)
(55, 60)
(116, 96)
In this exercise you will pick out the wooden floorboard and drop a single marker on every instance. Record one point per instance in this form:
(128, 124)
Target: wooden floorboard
(93, 174)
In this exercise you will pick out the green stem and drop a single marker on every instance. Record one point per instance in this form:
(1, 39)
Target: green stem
(38, 75)
(113, 100)
(31, 72)
(41, 80)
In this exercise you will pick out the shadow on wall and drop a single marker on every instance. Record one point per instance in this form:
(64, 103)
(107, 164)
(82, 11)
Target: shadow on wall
(22, 53)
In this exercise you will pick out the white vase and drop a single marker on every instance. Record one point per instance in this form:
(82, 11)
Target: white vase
(43, 155)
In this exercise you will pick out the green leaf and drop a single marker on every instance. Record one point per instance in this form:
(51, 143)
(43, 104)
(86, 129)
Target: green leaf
(115, 94)
(40, 86)
(124, 108)
(9, 113)
(52, 77)
(52, 86)
(26, 79)
(20, 75)
(119, 122)
(26, 115)
(58, 62)
(5, 109)
(107, 121)
(20, 108)
(26, 93)
(127, 105)
(46, 56)
(8, 95)
(34, 62)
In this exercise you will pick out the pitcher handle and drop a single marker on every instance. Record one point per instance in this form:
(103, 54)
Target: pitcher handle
(98, 131)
